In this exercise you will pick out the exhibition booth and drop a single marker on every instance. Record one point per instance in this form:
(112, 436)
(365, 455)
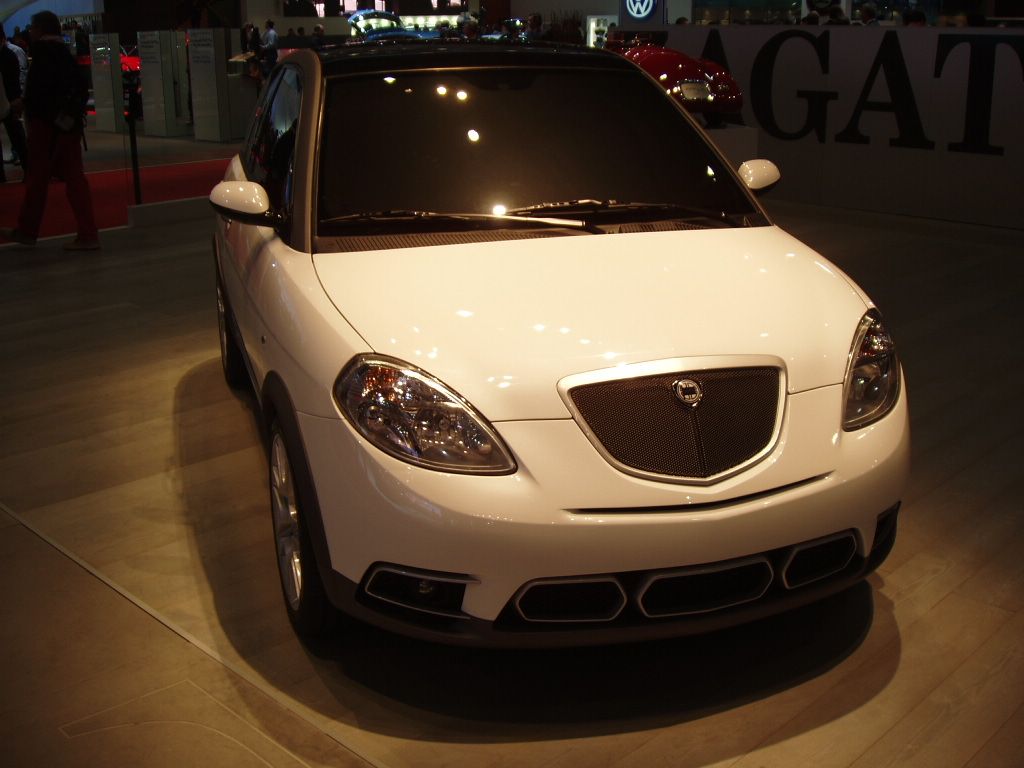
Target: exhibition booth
(922, 122)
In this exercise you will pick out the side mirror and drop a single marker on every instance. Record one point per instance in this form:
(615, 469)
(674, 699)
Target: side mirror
(759, 175)
(245, 202)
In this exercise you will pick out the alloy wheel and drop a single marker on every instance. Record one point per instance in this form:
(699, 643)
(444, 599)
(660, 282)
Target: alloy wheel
(222, 324)
(286, 522)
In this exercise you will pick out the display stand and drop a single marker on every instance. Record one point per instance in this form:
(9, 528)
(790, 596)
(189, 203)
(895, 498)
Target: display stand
(107, 83)
(222, 103)
(166, 92)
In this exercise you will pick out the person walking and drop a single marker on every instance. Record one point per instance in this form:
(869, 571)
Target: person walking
(54, 103)
(10, 72)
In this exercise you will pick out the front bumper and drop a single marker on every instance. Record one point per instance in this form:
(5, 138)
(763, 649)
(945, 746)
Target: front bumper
(566, 514)
(509, 631)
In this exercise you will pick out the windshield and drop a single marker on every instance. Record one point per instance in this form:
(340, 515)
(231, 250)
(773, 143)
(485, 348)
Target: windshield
(504, 140)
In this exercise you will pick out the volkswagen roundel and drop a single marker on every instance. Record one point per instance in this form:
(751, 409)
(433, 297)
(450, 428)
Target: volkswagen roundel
(514, 396)
(641, 10)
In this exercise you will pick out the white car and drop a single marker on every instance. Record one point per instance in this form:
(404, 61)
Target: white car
(534, 366)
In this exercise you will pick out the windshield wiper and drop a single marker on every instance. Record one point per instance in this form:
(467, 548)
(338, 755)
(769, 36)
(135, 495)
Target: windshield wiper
(452, 216)
(590, 205)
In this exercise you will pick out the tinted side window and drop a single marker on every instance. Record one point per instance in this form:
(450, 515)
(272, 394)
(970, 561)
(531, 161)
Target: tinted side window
(257, 127)
(272, 147)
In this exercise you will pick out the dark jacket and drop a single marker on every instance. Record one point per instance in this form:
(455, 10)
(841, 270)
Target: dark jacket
(54, 85)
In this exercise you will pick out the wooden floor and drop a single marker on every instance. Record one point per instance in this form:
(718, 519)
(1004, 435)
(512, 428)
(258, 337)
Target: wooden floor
(134, 479)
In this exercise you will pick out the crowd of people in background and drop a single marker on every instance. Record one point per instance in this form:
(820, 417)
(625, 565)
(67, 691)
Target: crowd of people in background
(50, 95)
(867, 14)
(13, 74)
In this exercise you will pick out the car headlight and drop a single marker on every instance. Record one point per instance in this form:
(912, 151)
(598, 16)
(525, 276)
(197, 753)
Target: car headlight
(872, 374)
(414, 417)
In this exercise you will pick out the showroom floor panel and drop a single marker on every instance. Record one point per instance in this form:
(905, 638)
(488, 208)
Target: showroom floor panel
(142, 621)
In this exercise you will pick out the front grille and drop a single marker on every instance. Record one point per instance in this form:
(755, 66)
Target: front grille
(643, 426)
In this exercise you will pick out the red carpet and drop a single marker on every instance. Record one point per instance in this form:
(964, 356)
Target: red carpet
(113, 192)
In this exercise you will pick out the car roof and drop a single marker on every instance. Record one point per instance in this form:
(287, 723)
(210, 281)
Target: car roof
(446, 53)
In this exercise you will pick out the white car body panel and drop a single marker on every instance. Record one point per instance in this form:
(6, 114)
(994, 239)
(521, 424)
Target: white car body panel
(287, 322)
(502, 322)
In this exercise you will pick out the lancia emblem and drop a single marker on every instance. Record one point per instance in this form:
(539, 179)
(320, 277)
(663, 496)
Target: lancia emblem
(688, 391)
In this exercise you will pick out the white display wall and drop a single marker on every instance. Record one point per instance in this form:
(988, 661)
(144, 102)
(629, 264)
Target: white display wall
(924, 122)
(166, 92)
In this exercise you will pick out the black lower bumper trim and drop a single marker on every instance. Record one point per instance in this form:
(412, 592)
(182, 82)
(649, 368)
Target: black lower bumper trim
(509, 631)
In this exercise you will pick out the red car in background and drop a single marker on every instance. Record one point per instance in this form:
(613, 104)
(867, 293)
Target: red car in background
(700, 85)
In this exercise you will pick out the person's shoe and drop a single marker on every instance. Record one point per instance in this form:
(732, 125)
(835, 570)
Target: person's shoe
(80, 244)
(9, 233)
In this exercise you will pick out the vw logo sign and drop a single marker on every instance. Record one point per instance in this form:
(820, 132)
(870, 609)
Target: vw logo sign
(640, 9)
(688, 391)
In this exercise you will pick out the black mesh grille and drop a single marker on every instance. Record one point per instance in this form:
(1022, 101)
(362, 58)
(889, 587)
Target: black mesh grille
(643, 425)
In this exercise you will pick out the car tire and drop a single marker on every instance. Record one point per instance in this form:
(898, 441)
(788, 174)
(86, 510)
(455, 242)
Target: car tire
(291, 491)
(235, 373)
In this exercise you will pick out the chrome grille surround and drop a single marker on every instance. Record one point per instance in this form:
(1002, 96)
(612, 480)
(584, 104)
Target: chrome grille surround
(692, 367)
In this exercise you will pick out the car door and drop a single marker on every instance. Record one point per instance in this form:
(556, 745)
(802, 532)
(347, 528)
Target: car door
(268, 159)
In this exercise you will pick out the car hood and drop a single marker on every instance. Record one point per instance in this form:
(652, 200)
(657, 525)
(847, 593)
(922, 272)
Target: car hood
(503, 322)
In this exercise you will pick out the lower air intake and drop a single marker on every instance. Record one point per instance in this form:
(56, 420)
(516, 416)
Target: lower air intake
(561, 600)
(819, 559)
(705, 589)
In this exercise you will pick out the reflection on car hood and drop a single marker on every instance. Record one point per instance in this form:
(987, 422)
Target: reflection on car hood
(503, 322)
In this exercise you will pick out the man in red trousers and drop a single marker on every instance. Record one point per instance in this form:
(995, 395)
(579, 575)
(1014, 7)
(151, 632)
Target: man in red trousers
(54, 103)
